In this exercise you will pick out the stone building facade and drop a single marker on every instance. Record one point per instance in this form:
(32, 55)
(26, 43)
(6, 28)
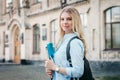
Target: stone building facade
(26, 26)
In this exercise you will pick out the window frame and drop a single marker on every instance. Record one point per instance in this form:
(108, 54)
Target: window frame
(110, 23)
(36, 36)
(53, 30)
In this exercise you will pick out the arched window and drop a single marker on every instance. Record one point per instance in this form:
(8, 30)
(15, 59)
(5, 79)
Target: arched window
(53, 31)
(36, 39)
(112, 28)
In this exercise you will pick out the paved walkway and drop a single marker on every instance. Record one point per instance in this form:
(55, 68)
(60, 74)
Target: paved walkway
(35, 72)
(22, 72)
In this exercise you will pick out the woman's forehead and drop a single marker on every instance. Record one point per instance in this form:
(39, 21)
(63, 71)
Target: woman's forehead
(65, 14)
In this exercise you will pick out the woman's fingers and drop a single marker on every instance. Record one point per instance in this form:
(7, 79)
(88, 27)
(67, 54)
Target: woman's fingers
(49, 64)
(46, 63)
(49, 72)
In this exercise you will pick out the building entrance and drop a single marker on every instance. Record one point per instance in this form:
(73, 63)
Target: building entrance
(17, 46)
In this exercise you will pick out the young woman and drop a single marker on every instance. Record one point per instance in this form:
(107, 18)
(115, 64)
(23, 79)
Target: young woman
(70, 26)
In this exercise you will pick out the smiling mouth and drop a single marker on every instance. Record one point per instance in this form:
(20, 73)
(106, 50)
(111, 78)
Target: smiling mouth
(66, 26)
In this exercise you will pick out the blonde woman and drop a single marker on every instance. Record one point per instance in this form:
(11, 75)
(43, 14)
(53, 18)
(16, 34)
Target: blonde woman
(70, 26)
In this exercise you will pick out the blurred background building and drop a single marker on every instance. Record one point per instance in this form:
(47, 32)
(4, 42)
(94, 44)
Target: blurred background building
(26, 26)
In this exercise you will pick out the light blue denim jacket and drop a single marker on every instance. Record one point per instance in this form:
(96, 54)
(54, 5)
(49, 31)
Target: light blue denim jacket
(77, 54)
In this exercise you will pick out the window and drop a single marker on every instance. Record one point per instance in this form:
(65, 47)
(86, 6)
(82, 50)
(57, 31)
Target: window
(53, 31)
(8, 2)
(20, 3)
(36, 39)
(48, 3)
(77, 0)
(63, 3)
(84, 19)
(9, 5)
(112, 28)
(93, 39)
(37, 1)
(44, 34)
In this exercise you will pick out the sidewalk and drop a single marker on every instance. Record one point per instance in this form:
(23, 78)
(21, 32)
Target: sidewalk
(22, 72)
(8, 63)
(36, 71)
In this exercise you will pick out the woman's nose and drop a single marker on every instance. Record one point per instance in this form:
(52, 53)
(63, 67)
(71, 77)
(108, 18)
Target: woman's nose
(65, 21)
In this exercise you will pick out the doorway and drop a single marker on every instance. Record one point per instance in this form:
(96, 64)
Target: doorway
(17, 45)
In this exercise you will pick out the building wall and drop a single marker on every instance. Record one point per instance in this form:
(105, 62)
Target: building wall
(111, 55)
(42, 15)
(44, 18)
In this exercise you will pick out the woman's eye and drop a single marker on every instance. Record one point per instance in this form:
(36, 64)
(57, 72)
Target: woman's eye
(69, 18)
(62, 19)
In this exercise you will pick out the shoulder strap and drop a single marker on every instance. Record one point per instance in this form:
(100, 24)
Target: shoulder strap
(87, 74)
(68, 50)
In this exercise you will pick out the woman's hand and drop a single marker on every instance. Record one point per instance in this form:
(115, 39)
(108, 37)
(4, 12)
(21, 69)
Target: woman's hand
(49, 72)
(49, 64)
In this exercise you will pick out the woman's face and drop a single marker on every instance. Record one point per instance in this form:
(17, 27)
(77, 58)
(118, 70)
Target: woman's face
(66, 22)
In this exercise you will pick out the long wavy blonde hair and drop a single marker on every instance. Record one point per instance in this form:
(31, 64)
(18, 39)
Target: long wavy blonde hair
(76, 24)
